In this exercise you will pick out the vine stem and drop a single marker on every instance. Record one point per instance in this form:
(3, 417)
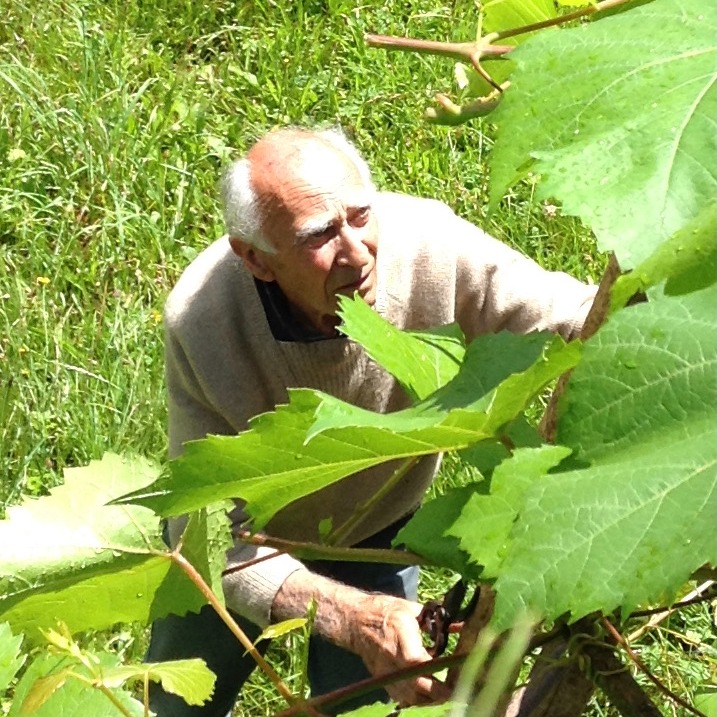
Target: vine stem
(114, 700)
(659, 614)
(331, 699)
(359, 515)
(314, 551)
(553, 21)
(191, 572)
(454, 50)
(596, 316)
(474, 51)
(104, 690)
(620, 640)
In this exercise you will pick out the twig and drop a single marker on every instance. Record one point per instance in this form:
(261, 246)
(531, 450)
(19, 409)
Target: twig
(97, 684)
(114, 700)
(455, 50)
(556, 687)
(475, 51)
(616, 681)
(474, 625)
(659, 614)
(620, 640)
(359, 515)
(314, 551)
(596, 316)
(251, 563)
(191, 572)
(334, 698)
(331, 699)
(554, 21)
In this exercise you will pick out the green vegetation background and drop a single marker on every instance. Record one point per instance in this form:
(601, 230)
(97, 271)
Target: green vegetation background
(116, 119)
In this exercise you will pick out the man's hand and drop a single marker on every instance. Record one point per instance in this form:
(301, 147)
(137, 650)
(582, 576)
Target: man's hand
(386, 635)
(381, 629)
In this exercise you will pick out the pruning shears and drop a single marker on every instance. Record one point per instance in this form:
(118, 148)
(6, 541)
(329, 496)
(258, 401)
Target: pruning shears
(441, 618)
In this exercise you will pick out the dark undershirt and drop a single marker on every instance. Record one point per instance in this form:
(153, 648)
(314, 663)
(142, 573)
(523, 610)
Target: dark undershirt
(283, 325)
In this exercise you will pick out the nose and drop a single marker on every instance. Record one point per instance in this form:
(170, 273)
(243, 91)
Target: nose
(352, 250)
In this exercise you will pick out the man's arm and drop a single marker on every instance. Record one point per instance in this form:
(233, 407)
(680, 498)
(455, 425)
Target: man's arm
(499, 288)
(382, 630)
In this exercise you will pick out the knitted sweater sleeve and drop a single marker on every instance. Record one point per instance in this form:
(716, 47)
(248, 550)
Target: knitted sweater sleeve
(498, 288)
(249, 592)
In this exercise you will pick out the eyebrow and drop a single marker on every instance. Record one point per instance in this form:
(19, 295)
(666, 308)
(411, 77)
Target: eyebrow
(312, 227)
(319, 225)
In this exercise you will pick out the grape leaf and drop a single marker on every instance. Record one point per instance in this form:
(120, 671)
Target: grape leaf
(706, 702)
(485, 521)
(191, 679)
(687, 261)
(633, 525)
(425, 533)
(278, 629)
(68, 556)
(500, 371)
(71, 697)
(205, 542)
(275, 463)
(430, 532)
(507, 14)
(10, 658)
(624, 133)
(421, 361)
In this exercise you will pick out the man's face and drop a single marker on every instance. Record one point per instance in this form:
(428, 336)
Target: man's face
(319, 217)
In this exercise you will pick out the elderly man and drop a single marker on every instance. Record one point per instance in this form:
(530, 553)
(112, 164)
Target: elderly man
(255, 314)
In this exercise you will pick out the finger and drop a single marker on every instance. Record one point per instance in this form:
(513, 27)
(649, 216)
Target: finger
(420, 691)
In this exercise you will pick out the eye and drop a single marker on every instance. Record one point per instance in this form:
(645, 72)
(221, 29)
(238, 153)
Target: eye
(320, 237)
(360, 217)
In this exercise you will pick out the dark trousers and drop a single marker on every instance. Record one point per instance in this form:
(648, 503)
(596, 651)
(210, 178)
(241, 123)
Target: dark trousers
(204, 635)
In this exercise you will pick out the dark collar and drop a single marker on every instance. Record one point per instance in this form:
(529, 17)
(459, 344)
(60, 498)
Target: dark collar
(283, 324)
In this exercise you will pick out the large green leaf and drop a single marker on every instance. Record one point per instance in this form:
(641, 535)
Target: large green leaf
(68, 556)
(430, 533)
(317, 439)
(623, 133)
(421, 361)
(485, 521)
(686, 262)
(634, 524)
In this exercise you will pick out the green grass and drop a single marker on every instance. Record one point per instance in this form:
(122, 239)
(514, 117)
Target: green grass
(115, 121)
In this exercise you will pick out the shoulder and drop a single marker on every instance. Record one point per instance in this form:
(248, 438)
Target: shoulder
(409, 210)
(419, 229)
(208, 284)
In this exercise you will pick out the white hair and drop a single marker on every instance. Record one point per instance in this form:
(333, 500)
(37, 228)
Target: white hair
(243, 215)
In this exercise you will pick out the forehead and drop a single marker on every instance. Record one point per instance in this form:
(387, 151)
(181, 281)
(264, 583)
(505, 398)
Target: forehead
(306, 183)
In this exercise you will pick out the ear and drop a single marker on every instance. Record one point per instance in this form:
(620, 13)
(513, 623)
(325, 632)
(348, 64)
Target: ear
(255, 260)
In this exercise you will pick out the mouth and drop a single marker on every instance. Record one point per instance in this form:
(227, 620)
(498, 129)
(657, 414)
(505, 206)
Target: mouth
(361, 285)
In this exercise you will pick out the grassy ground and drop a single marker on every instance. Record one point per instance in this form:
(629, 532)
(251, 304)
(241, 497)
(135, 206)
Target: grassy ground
(115, 121)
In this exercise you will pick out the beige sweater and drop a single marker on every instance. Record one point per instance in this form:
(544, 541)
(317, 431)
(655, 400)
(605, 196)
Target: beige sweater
(224, 366)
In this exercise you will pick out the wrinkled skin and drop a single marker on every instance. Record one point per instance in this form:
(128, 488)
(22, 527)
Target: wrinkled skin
(319, 217)
(381, 629)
